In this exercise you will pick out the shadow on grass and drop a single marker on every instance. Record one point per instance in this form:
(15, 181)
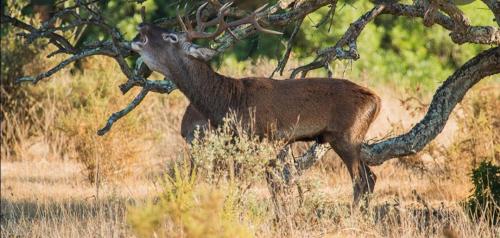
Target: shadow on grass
(32, 211)
(420, 215)
(39, 180)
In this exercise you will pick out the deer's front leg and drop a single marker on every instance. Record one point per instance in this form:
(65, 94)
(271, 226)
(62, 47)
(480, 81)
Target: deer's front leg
(191, 121)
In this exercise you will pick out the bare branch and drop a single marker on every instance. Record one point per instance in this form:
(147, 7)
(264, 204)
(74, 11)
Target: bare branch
(299, 12)
(445, 99)
(461, 21)
(328, 15)
(34, 33)
(463, 32)
(158, 86)
(141, 72)
(348, 39)
(282, 63)
(311, 156)
(477, 34)
(117, 115)
(64, 63)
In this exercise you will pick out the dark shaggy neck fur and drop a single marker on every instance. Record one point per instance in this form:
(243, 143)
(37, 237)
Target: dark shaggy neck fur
(213, 94)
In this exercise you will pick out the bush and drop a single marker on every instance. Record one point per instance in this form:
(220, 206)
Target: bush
(221, 155)
(207, 194)
(91, 100)
(484, 203)
(187, 208)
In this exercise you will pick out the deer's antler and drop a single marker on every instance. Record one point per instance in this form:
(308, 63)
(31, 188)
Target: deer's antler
(221, 24)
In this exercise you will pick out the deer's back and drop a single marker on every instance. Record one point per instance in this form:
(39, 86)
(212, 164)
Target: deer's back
(309, 106)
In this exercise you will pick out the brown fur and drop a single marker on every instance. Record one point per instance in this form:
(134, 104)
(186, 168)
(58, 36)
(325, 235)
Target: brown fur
(191, 121)
(334, 111)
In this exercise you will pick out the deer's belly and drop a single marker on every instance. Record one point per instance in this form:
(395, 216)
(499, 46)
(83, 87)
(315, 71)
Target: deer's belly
(292, 132)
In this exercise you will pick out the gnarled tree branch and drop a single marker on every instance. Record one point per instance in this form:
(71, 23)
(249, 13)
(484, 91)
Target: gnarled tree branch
(461, 31)
(445, 99)
(117, 115)
(348, 39)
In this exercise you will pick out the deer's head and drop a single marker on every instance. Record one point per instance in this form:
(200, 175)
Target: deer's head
(159, 47)
(163, 48)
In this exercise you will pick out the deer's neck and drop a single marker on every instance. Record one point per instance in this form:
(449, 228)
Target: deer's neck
(211, 93)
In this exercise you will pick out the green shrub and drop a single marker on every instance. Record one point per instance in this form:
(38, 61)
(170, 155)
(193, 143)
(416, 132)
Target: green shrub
(484, 202)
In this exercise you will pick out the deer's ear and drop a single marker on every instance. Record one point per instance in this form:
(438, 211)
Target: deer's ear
(201, 53)
(170, 37)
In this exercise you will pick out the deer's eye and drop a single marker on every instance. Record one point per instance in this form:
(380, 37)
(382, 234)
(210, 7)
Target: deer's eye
(172, 38)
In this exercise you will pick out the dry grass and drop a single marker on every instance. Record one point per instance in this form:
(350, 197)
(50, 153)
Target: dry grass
(54, 199)
(49, 163)
(64, 205)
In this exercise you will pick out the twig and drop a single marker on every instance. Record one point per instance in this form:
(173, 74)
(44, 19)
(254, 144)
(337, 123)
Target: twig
(348, 39)
(282, 63)
(329, 15)
(64, 63)
(33, 31)
(117, 115)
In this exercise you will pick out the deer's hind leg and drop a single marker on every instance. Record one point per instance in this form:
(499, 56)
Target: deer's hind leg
(362, 177)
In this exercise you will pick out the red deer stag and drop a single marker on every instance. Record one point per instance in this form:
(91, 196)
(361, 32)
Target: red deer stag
(325, 110)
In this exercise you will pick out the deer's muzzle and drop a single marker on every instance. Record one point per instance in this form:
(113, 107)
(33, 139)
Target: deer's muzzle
(140, 41)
